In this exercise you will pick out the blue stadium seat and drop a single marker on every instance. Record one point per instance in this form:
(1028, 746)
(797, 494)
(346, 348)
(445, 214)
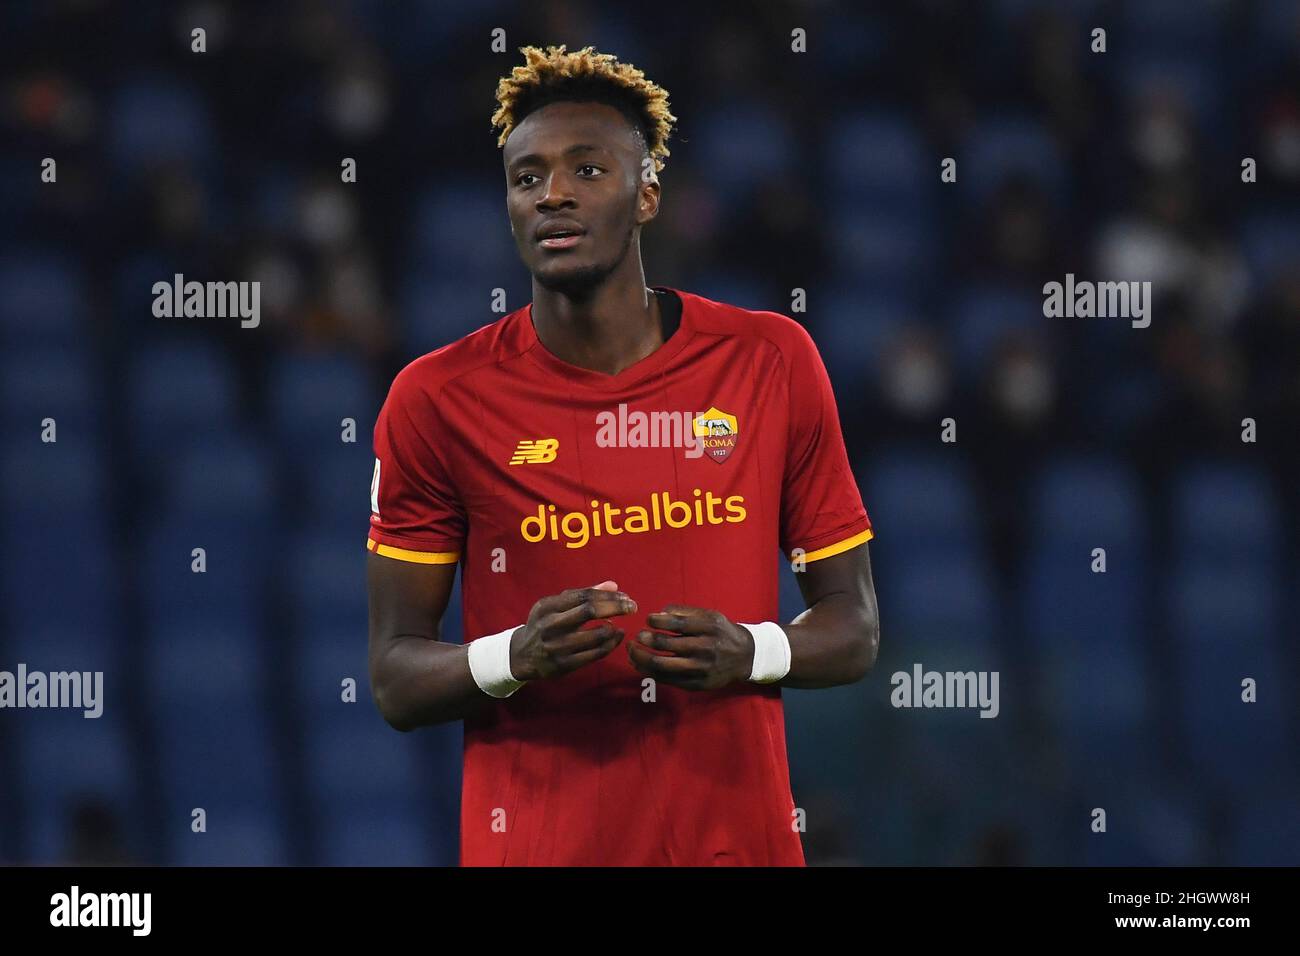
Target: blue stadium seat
(853, 334)
(828, 731)
(367, 792)
(221, 757)
(179, 393)
(961, 771)
(1193, 80)
(324, 657)
(881, 158)
(1270, 242)
(326, 575)
(354, 758)
(231, 591)
(217, 746)
(939, 612)
(1273, 32)
(461, 229)
(18, 194)
(736, 289)
(1266, 827)
(277, 205)
(1175, 26)
(228, 476)
(62, 756)
(438, 311)
(1148, 823)
(985, 316)
(928, 499)
(1087, 502)
(243, 837)
(1228, 510)
(407, 39)
(50, 646)
(309, 397)
(382, 839)
(184, 646)
(47, 582)
(1219, 606)
(133, 296)
(1008, 13)
(366, 782)
(942, 596)
(999, 148)
(1099, 702)
(64, 477)
(1226, 620)
(336, 487)
(65, 757)
(749, 140)
(55, 550)
(43, 299)
(861, 38)
(1069, 605)
(42, 383)
(889, 252)
(154, 121)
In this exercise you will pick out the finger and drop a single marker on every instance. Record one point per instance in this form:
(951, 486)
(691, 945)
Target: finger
(575, 661)
(645, 663)
(605, 586)
(576, 597)
(683, 620)
(664, 666)
(573, 597)
(684, 645)
(579, 640)
(600, 604)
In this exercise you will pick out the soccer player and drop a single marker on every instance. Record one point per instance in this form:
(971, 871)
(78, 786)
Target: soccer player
(522, 452)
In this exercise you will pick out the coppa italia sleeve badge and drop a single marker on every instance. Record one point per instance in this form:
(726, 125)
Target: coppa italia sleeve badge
(717, 432)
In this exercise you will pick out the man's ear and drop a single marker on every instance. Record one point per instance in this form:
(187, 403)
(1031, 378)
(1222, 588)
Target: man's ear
(647, 202)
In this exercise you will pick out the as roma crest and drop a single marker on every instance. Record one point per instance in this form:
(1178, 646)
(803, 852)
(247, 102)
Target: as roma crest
(717, 432)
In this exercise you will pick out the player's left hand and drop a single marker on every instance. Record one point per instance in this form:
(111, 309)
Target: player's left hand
(707, 650)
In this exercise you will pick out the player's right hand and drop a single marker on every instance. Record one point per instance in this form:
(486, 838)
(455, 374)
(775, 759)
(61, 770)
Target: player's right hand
(555, 641)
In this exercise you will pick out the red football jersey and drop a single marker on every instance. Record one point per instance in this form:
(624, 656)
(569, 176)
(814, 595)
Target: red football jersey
(682, 478)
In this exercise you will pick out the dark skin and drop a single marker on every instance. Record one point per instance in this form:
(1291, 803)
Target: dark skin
(583, 163)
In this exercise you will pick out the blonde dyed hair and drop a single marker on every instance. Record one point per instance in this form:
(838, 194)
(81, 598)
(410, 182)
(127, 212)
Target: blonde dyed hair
(554, 75)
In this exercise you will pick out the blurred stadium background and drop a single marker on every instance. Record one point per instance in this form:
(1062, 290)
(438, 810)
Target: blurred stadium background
(817, 171)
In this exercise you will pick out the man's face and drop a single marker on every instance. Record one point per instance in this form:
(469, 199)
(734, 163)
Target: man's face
(576, 167)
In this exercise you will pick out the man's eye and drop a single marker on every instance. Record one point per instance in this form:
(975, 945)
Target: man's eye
(589, 166)
(522, 177)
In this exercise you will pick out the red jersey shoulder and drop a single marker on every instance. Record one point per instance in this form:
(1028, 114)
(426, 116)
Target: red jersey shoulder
(433, 371)
(781, 331)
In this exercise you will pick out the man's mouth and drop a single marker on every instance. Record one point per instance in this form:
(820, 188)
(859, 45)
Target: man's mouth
(560, 241)
(559, 233)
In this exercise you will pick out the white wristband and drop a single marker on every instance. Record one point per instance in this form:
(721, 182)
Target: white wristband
(771, 652)
(489, 662)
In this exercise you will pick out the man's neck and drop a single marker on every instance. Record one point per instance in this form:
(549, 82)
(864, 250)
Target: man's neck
(609, 331)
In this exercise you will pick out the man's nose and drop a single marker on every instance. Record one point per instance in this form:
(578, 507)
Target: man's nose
(558, 192)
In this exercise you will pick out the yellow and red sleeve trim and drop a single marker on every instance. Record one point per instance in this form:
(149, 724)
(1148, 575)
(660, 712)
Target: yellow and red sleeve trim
(415, 557)
(839, 547)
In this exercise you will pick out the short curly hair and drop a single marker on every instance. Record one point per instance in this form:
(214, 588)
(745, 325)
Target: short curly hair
(553, 75)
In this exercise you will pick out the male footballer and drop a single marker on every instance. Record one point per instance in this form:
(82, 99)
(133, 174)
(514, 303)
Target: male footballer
(613, 460)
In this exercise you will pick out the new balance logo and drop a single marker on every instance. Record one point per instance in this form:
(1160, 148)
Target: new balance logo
(535, 451)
